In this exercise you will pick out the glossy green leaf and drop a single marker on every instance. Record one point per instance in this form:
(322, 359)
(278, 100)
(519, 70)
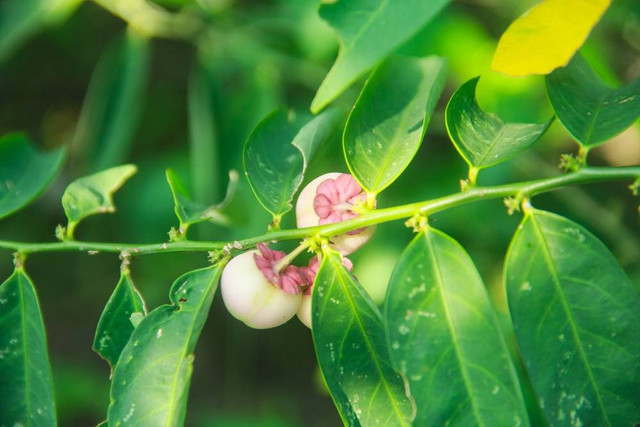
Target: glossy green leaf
(278, 151)
(26, 389)
(190, 212)
(387, 124)
(482, 138)
(590, 110)
(92, 194)
(115, 325)
(350, 345)
(444, 337)
(151, 380)
(21, 19)
(114, 101)
(576, 319)
(369, 31)
(24, 172)
(203, 137)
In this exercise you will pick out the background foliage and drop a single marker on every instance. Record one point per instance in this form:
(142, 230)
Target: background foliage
(76, 76)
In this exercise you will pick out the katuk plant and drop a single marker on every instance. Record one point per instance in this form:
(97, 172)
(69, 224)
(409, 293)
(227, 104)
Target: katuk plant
(435, 353)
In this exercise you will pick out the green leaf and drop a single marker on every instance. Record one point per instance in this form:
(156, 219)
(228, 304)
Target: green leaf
(21, 19)
(190, 212)
(26, 390)
(24, 172)
(590, 110)
(576, 319)
(369, 30)
(446, 340)
(482, 138)
(115, 326)
(114, 101)
(387, 125)
(278, 151)
(151, 379)
(350, 345)
(92, 194)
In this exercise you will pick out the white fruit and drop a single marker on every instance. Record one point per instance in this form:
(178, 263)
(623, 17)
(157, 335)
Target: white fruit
(249, 297)
(306, 216)
(304, 312)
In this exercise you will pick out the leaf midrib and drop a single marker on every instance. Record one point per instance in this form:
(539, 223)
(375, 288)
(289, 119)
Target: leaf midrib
(497, 138)
(25, 347)
(356, 316)
(364, 27)
(592, 124)
(561, 297)
(172, 405)
(452, 331)
(171, 402)
(394, 147)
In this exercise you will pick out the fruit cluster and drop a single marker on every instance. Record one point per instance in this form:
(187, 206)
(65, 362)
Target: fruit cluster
(261, 288)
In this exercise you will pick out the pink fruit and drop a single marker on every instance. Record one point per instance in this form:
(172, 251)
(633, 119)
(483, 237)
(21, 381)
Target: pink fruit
(331, 198)
(255, 293)
(304, 312)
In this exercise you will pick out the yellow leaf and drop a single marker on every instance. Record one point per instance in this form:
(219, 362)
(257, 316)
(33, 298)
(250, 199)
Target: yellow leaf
(547, 36)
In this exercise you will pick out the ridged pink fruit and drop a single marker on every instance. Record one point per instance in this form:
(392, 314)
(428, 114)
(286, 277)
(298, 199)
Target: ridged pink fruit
(256, 294)
(331, 198)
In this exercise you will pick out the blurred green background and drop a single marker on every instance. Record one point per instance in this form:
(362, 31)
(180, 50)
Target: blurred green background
(72, 73)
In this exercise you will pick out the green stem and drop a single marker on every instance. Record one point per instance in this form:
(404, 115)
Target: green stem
(153, 21)
(521, 189)
(583, 152)
(284, 262)
(473, 176)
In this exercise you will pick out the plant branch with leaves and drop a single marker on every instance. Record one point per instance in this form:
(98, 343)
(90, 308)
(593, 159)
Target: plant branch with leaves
(436, 351)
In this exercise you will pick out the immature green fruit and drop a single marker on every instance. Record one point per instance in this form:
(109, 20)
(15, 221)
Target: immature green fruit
(331, 198)
(256, 294)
